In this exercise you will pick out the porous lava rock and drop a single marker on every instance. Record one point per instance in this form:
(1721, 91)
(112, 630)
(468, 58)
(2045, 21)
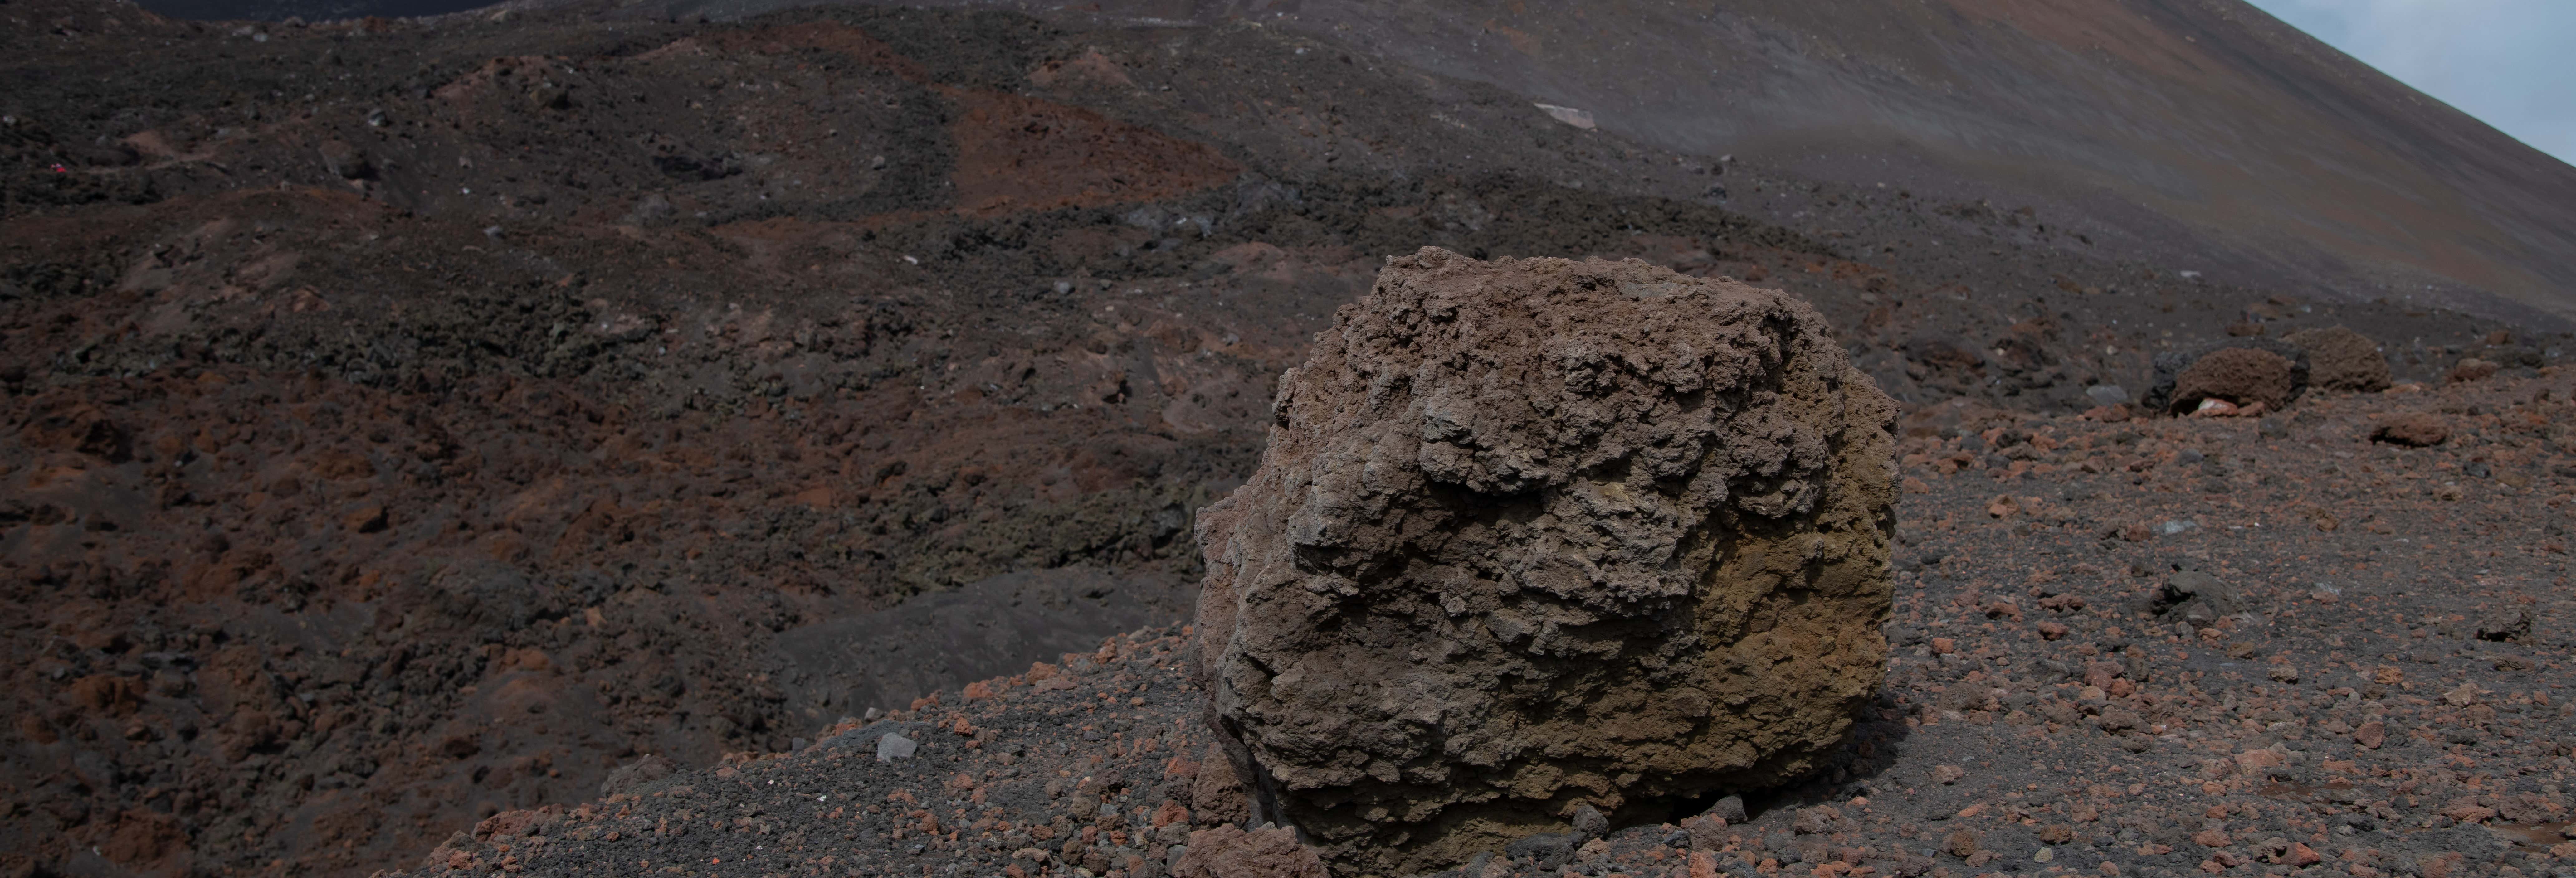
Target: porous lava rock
(2242, 376)
(1531, 535)
(2413, 429)
(2341, 359)
(2228, 370)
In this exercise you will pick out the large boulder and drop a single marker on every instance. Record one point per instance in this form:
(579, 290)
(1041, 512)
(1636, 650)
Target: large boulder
(2341, 359)
(1532, 535)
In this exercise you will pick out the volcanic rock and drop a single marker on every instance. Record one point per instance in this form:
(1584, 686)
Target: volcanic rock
(2241, 376)
(2200, 597)
(2416, 429)
(1230, 852)
(1531, 535)
(2341, 359)
(635, 774)
(2238, 378)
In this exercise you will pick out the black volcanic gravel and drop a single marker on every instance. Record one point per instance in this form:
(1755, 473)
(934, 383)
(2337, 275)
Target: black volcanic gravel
(2368, 676)
(405, 421)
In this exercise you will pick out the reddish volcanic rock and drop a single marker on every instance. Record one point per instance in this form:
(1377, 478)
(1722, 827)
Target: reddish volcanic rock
(1229, 852)
(2418, 429)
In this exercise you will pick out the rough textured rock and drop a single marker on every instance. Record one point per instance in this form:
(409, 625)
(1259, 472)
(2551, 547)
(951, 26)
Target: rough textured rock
(2234, 377)
(1218, 794)
(1230, 852)
(2416, 429)
(2198, 598)
(650, 768)
(2341, 359)
(1531, 535)
(2242, 376)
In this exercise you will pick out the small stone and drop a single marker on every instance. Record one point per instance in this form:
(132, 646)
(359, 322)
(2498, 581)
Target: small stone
(2284, 674)
(1589, 821)
(1818, 820)
(1960, 843)
(1217, 796)
(2301, 856)
(2211, 838)
(1948, 774)
(2045, 855)
(2417, 430)
(1549, 849)
(1731, 810)
(2509, 625)
(2473, 369)
(892, 747)
(2107, 394)
(367, 520)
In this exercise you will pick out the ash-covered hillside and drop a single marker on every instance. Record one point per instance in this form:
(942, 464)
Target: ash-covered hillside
(411, 420)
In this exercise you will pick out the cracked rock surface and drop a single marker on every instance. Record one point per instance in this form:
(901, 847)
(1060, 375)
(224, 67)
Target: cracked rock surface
(1535, 535)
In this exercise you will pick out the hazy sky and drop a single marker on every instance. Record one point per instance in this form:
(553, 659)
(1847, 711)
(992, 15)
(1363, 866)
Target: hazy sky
(2511, 63)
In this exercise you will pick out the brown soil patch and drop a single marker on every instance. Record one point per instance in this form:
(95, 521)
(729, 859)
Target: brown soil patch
(1016, 153)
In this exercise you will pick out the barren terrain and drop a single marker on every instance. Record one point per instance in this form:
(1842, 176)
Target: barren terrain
(2224, 646)
(406, 421)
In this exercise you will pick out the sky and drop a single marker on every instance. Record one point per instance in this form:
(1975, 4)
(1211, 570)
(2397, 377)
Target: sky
(2510, 63)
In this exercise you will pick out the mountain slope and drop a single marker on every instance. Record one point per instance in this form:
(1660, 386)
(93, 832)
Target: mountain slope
(2198, 134)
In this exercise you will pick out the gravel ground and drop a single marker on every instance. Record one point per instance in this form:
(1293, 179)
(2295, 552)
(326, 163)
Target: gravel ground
(2235, 646)
(406, 421)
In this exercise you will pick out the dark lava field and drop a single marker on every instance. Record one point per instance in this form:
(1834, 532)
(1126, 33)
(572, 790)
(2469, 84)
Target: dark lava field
(408, 421)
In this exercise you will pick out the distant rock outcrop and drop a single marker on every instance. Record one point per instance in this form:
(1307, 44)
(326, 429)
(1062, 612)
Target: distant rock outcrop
(2341, 359)
(1534, 535)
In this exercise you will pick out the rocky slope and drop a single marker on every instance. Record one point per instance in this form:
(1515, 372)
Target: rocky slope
(2204, 645)
(406, 421)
